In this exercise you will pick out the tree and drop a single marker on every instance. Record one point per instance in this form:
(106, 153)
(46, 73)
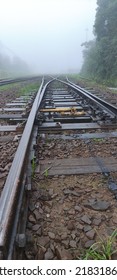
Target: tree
(14, 66)
(19, 66)
(101, 57)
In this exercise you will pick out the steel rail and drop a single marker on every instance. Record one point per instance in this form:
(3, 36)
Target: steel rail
(16, 80)
(13, 184)
(112, 110)
(108, 106)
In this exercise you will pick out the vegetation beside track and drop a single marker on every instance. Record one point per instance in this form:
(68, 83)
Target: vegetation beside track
(30, 87)
(23, 88)
(90, 83)
(103, 250)
(100, 54)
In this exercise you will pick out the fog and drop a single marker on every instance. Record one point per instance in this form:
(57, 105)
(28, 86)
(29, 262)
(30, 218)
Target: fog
(47, 34)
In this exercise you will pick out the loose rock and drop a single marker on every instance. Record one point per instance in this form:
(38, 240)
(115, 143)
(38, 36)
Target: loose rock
(32, 219)
(71, 225)
(51, 235)
(97, 222)
(87, 228)
(90, 234)
(86, 219)
(99, 205)
(35, 227)
(63, 254)
(49, 255)
(43, 241)
(78, 208)
(89, 243)
(40, 254)
(73, 244)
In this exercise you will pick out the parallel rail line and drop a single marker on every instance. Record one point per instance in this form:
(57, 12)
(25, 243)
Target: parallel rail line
(108, 106)
(17, 80)
(52, 110)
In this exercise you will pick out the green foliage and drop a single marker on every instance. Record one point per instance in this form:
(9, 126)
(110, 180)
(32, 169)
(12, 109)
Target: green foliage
(106, 19)
(46, 173)
(97, 139)
(73, 77)
(22, 88)
(102, 250)
(100, 55)
(33, 165)
(8, 87)
(26, 89)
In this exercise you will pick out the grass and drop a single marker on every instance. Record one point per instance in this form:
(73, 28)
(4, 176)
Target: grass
(102, 250)
(97, 139)
(114, 91)
(23, 89)
(9, 86)
(46, 173)
(47, 141)
(91, 82)
(33, 165)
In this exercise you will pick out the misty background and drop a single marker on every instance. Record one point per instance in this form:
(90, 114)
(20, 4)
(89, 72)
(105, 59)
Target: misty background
(44, 36)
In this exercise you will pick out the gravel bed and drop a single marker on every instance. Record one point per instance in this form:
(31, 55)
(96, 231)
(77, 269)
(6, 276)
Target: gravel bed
(10, 93)
(67, 214)
(8, 140)
(59, 148)
(7, 152)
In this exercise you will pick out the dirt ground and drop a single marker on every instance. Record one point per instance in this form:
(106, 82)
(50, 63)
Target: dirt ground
(70, 213)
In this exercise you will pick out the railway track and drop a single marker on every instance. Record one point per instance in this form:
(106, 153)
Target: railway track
(17, 80)
(61, 188)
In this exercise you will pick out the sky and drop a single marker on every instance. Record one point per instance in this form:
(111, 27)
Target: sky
(47, 34)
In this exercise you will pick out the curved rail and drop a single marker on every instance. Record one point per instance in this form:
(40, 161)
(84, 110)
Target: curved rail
(105, 105)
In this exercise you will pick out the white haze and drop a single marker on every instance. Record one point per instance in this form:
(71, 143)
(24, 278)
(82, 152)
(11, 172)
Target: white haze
(47, 34)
